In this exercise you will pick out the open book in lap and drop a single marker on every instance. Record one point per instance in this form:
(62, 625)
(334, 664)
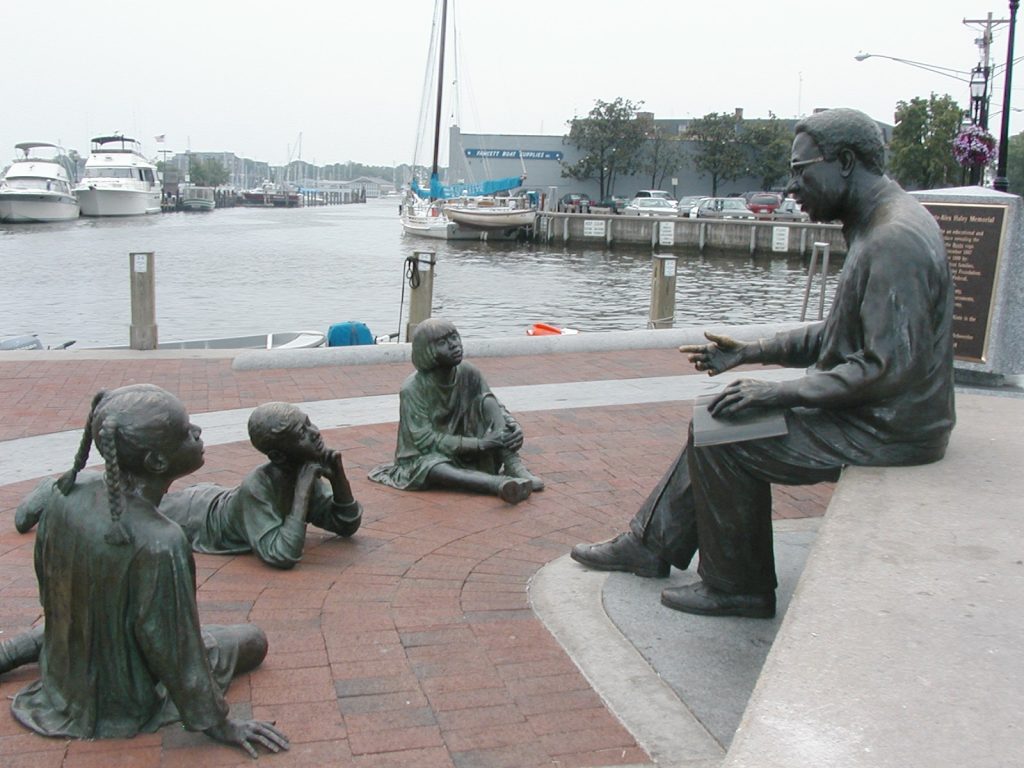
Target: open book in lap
(750, 424)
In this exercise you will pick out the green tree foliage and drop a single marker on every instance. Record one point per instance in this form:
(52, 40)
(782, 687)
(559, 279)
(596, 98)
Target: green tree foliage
(612, 141)
(769, 141)
(1015, 163)
(921, 152)
(207, 173)
(719, 154)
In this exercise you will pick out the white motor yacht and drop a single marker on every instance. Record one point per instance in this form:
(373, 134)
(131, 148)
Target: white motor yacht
(37, 185)
(118, 180)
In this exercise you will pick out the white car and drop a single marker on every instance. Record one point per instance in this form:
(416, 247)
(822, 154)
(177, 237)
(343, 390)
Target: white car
(687, 205)
(650, 206)
(656, 193)
(724, 208)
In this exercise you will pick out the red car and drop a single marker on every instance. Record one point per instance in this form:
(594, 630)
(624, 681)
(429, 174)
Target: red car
(764, 203)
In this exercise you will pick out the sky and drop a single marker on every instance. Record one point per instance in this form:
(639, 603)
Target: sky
(341, 80)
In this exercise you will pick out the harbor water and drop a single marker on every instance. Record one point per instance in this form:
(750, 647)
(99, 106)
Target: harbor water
(242, 271)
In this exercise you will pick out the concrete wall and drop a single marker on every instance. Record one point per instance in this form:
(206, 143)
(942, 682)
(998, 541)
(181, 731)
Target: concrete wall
(764, 237)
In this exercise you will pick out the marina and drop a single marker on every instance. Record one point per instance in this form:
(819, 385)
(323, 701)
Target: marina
(246, 271)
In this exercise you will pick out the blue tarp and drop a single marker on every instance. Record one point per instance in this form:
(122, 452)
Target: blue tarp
(439, 191)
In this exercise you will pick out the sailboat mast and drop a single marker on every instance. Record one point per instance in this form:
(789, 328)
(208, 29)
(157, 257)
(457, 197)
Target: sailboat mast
(440, 86)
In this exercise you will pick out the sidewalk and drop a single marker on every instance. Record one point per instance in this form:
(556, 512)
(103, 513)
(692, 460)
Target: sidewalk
(414, 643)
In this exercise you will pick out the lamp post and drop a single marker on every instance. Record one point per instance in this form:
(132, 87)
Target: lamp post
(1001, 183)
(979, 109)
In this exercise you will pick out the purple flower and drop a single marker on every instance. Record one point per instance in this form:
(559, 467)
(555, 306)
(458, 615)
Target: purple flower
(974, 146)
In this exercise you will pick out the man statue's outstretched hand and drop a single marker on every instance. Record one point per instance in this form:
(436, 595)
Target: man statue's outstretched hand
(723, 353)
(743, 394)
(247, 733)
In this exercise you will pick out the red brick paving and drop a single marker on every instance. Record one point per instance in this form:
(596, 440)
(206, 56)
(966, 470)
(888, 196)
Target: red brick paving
(413, 643)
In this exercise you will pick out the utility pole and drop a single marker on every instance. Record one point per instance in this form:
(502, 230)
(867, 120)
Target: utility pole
(984, 44)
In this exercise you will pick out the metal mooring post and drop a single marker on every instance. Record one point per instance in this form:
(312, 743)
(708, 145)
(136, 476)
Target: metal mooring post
(419, 271)
(143, 332)
(811, 268)
(663, 291)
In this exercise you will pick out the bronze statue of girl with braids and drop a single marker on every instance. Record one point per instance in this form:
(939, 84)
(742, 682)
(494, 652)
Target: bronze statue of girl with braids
(121, 651)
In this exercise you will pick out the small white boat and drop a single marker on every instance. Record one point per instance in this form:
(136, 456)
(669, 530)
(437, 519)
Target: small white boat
(118, 180)
(37, 185)
(491, 213)
(442, 211)
(283, 340)
(195, 198)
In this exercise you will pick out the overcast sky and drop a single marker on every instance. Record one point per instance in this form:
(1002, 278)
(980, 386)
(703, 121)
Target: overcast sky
(249, 77)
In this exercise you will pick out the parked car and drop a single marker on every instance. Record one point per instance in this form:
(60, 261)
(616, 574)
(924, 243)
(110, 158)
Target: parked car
(650, 206)
(655, 193)
(574, 201)
(764, 203)
(615, 202)
(789, 210)
(687, 205)
(724, 208)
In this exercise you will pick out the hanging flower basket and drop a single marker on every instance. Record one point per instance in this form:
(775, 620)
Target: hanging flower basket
(974, 146)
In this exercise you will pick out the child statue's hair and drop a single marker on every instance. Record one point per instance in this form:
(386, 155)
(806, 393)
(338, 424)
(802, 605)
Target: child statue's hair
(268, 422)
(125, 424)
(428, 332)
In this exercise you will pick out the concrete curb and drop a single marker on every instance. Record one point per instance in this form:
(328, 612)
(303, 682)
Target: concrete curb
(567, 598)
(251, 360)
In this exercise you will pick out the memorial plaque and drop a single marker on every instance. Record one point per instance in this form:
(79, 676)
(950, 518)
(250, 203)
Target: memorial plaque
(974, 236)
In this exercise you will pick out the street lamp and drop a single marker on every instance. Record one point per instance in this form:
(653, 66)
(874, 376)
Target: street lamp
(979, 91)
(956, 74)
(1001, 183)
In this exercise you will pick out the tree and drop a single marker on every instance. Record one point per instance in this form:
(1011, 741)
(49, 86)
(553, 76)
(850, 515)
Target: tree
(921, 151)
(661, 155)
(769, 142)
(207, 173)
(719, 153)
(1015, 163)
(611, 139)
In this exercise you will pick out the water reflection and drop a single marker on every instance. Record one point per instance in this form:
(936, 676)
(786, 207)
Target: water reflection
(244, 270)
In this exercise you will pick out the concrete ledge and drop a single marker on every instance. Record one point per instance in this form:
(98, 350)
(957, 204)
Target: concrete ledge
(901, 647)
(519, 345)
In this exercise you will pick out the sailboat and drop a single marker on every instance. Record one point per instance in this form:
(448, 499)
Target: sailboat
(462, 211)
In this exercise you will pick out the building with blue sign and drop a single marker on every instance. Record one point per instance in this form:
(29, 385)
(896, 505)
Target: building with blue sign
(473, 157)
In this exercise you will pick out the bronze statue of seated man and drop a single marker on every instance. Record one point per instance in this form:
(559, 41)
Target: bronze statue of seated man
(121, 650)
(452, 430)
(878, 389)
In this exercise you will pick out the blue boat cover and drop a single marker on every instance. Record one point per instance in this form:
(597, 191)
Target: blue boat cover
(439, 191)
(348, 334)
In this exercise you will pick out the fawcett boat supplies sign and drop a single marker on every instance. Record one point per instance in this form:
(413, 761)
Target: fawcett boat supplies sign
(973, 235)
(515, 154)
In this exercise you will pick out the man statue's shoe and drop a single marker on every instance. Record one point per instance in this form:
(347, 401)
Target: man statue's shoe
(623, 553)
(705, 600)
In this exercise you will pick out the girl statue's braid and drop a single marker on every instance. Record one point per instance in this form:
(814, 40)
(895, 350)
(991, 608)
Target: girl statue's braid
(106, 441)
(67, 481)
